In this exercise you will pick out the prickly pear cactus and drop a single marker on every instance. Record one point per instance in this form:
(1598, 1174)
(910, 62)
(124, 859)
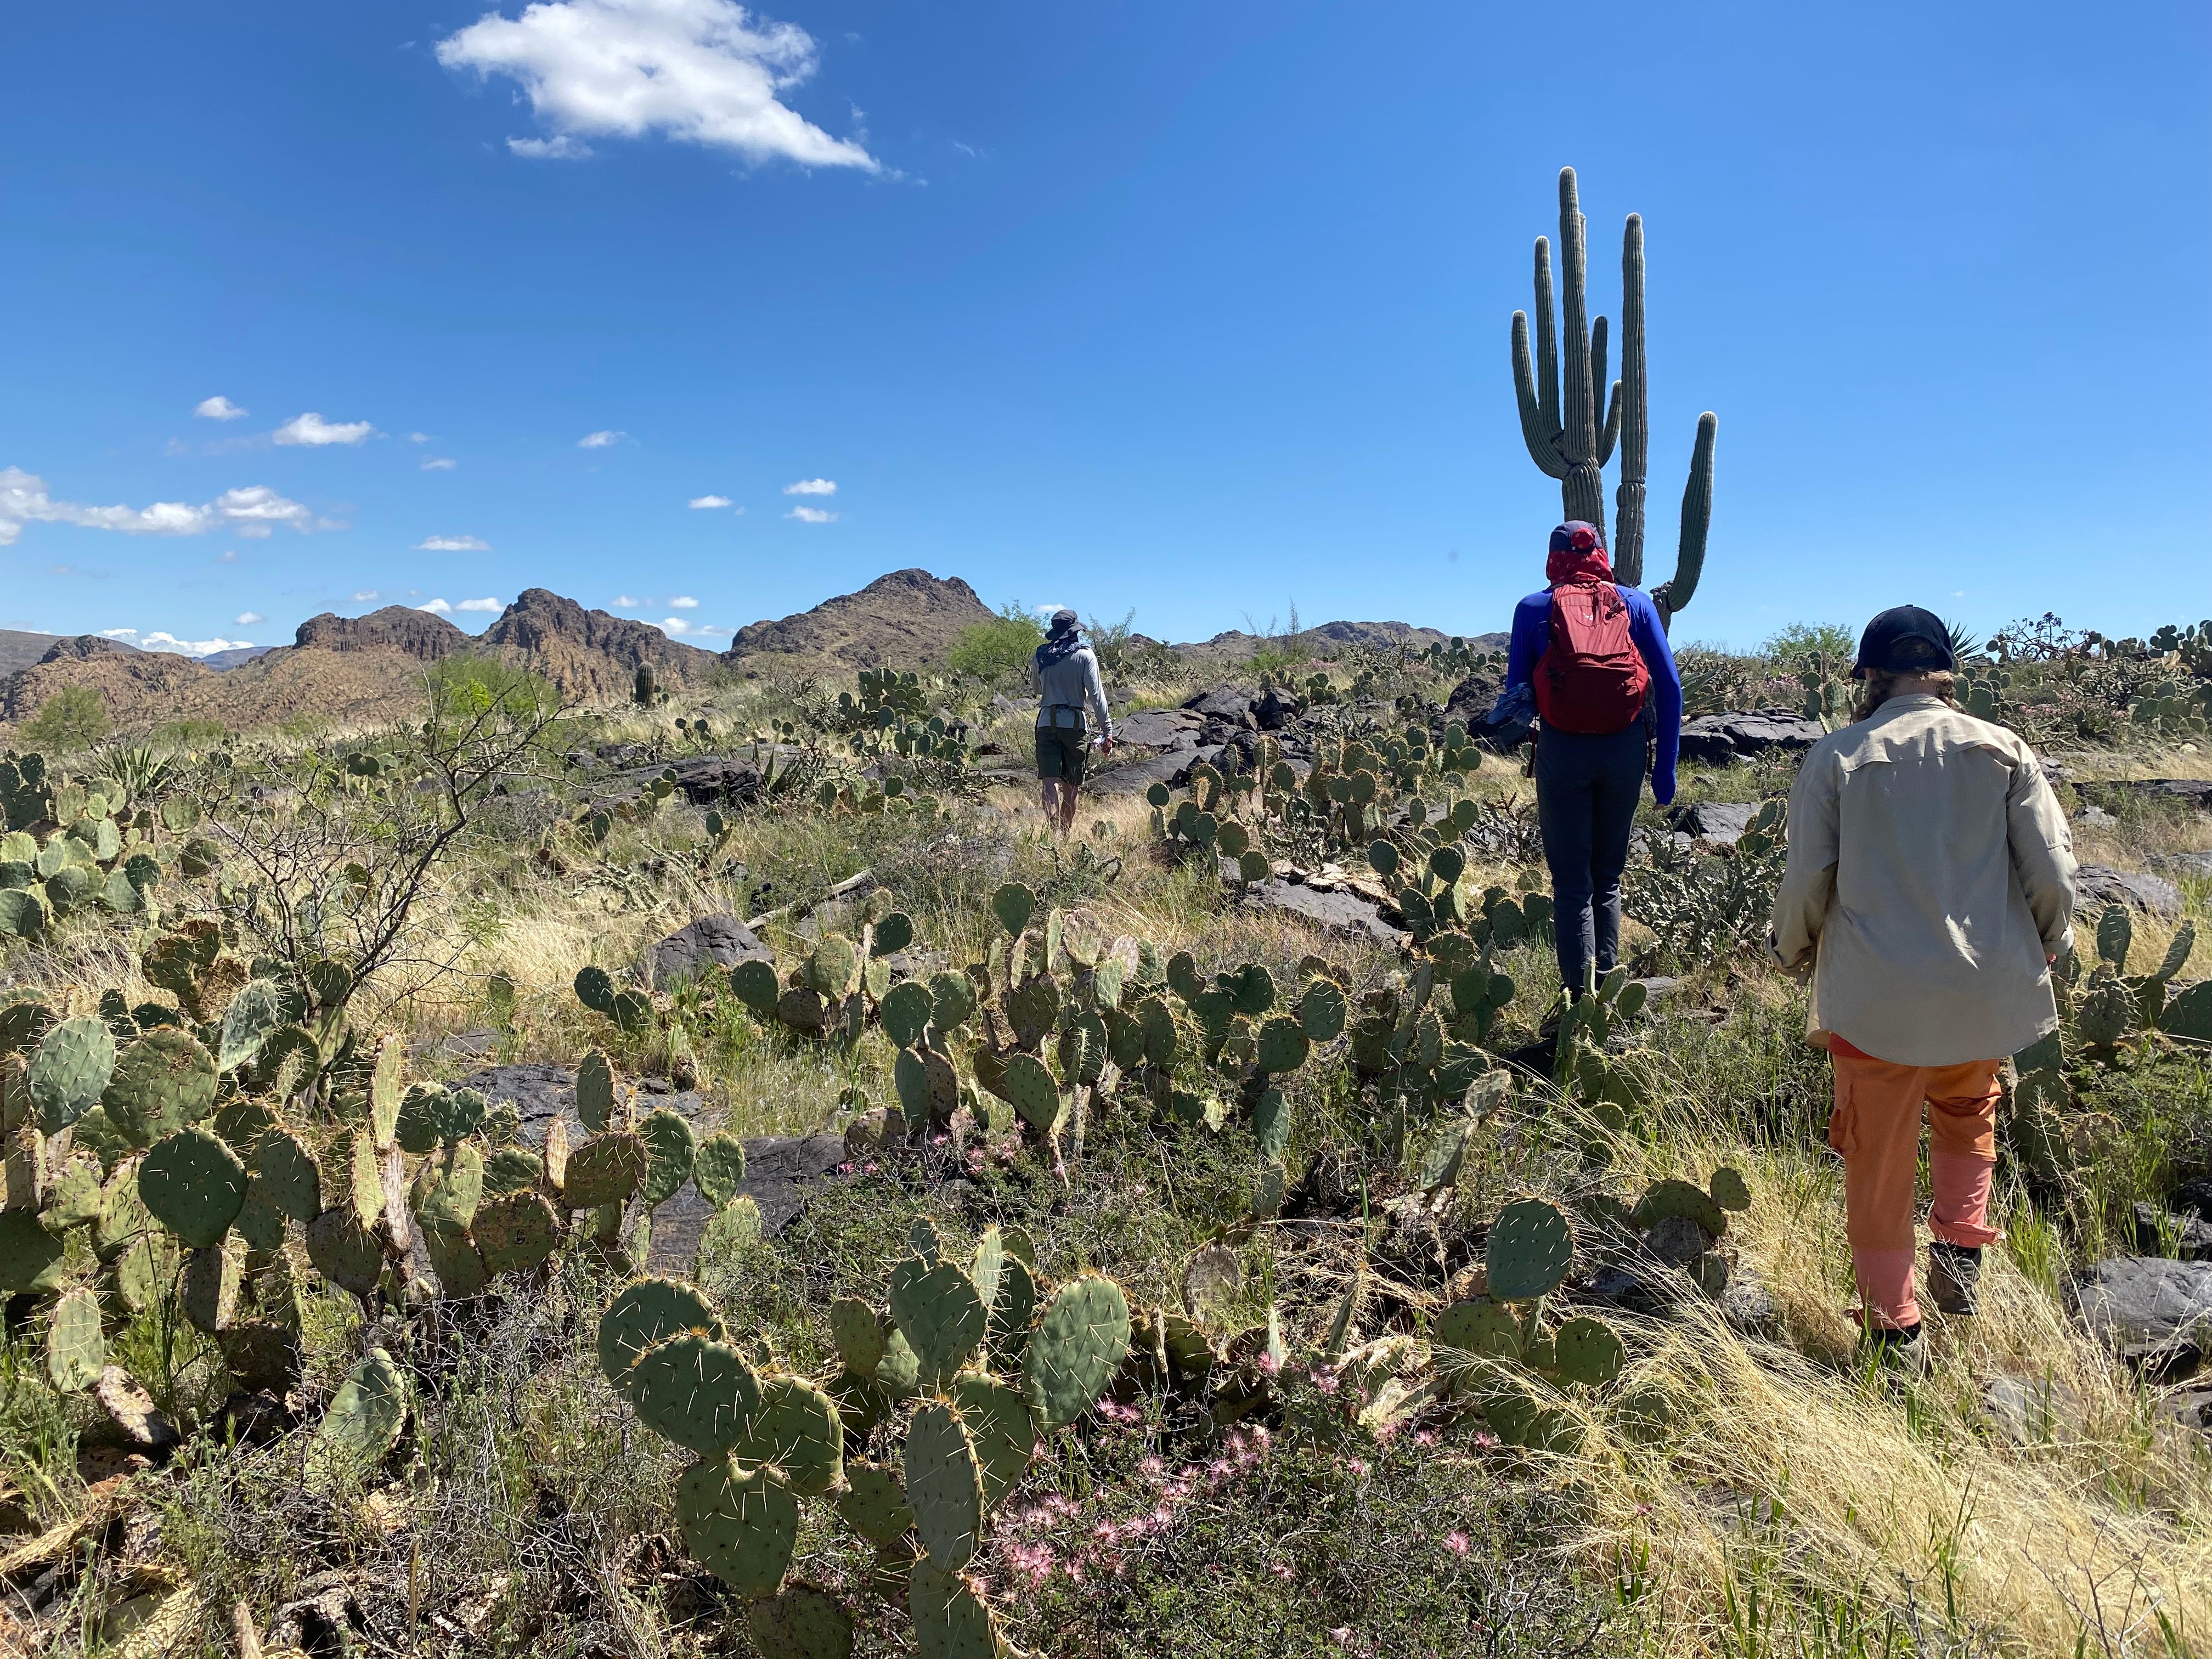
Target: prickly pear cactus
(741, 1523)
(1529, 1250)
(68, 1071)
(1074, 1350)
(647, 1311)
(939, 1313)
(77, 1349)
(696, 1391)
(369, 1410)
(945, 1486)
(193, 1185)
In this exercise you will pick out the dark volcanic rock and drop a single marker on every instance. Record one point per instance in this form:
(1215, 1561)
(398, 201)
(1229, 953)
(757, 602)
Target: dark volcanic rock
(713, 780)
(1717, 739)
(1276, 709)
(2096, 886)
(1716, 820)
(396, 628)
(1334, 911)
(1172, 768)
(1677, 1240)
(781, 1171)
(1228, 705)
(2157, 1313)
(701, 947)
(1160, 728)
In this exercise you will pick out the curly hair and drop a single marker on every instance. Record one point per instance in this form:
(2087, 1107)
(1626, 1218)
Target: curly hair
(1918, 662)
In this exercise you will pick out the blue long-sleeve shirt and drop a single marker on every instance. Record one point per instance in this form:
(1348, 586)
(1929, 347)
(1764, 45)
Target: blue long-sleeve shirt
(1532, 636)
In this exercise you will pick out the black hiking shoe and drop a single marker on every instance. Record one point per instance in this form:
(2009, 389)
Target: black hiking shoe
(1954, 1271)
(1904, 1354)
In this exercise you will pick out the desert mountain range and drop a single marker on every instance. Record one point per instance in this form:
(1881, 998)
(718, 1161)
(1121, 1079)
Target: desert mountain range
(368, 669)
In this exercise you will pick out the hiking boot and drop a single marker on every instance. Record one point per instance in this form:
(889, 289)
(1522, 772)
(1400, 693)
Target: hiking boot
(1953, 1272)
(1904, 1354)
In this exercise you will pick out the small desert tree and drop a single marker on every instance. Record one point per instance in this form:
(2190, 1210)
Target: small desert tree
(997, 651)
(73, 717)
(329, 853)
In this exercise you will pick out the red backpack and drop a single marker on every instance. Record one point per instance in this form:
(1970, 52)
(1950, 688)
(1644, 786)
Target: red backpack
(1592, 677)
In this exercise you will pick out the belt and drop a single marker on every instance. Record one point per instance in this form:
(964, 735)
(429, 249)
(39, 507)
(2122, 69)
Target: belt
(1054, 710)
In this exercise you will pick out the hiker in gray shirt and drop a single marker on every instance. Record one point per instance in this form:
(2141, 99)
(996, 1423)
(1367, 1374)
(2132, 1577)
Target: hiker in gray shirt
(1064, 674)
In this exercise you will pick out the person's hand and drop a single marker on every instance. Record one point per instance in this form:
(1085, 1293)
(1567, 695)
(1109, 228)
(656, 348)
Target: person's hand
(1663, 789)
(1105, 746)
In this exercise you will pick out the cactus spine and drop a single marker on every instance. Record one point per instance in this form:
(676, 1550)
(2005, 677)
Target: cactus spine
(1569, 441)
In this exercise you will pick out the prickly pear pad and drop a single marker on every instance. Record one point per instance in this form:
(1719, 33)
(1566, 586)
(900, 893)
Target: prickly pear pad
(1075, 1350)
(649, 1311)
(944, 1486)
(742, 1525)
(696, 1391)
(193, 1185)
(1530, 1249)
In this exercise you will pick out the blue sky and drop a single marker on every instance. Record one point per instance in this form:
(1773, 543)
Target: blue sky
(1197, 310)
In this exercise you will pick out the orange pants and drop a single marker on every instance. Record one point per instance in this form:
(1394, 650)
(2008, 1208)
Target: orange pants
(1876, 1127)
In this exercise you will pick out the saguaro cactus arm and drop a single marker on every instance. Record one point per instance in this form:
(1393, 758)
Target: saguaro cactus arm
(1697, 518)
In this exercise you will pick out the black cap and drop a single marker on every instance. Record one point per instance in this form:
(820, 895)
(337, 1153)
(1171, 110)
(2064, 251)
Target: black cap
(1905, 640)
(1062, 620)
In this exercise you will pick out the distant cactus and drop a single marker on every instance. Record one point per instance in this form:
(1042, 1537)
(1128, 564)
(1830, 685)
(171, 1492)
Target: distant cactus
(1572, 437)
(643, 690)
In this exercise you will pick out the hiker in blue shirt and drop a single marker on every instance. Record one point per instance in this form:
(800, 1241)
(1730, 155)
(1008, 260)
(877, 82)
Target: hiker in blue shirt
(1589, 663)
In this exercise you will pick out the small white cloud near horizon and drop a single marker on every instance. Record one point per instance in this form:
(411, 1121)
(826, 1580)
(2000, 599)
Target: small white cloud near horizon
(363, 595)
(601, 440)
(252, 511)
(676, 626)
(811, 487)
(315, 432)
(811, 515)
(707, 503)
(248, 618)
(418, 437)
(683, 602)
(453, 545)
(439, 463)
(438, 605)
(481, 605)
(219, 409)
(229, 556)
(625, 602)
(162, 640)
(699, 71)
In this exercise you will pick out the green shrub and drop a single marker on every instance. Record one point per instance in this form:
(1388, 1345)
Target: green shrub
(1800, 640)
(999, 650)
(73, 717)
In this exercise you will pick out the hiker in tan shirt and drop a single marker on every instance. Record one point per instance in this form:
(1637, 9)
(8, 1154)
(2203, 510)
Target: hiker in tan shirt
(1930, 886)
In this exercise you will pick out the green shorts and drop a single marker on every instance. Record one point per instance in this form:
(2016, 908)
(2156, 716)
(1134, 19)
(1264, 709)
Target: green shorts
(1061, 750)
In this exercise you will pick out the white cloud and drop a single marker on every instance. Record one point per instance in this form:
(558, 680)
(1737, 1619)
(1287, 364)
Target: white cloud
(438, 605)
(362, 596)
(811, 515)
(625, 602)
(219, 409)
(248, 618)
(480, 605)
(705, 503)
(563, 149)
(314, 431)
(438, 464)
(252, 510)
(161, 640)
(683, 602)
(418, 437)
(811, 487)
(601, 440)
(678, 626)
(228, 557)
(453, 545)
(702, 71)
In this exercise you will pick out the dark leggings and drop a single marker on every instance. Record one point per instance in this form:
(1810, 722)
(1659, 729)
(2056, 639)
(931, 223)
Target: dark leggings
(1586, 791)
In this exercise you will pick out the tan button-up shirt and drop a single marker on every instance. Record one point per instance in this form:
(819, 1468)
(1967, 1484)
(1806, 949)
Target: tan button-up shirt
(1931, 870)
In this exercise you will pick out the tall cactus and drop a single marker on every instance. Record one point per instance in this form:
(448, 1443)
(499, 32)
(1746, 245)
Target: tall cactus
(1569, 441)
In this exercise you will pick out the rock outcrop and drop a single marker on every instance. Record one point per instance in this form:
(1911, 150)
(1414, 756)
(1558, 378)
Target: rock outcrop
(907, 619)
(589, 656)
(401, 628)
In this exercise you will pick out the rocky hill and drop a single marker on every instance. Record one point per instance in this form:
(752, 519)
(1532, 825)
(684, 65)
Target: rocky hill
(355, 669)
(1236, 644)
(910, 618)
(591, 656)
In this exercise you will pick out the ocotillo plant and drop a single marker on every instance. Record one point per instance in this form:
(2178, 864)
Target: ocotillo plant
(1571, 431)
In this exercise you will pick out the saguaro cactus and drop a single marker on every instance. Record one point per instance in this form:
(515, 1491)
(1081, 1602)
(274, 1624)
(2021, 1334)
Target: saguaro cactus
(1569, 441)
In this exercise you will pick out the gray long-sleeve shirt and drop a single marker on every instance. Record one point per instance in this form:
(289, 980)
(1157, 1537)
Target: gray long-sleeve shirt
(1930, 874)
(1072, 682)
